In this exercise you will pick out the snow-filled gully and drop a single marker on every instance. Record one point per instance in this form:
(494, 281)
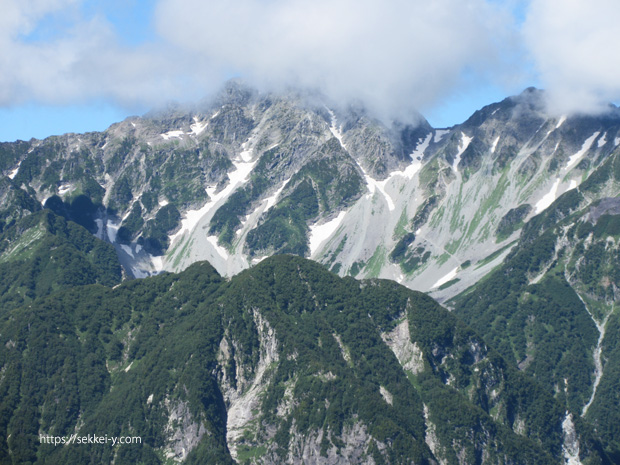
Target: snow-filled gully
(598, 364)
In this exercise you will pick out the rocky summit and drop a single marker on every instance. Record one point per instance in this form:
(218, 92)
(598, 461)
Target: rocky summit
(250, 175)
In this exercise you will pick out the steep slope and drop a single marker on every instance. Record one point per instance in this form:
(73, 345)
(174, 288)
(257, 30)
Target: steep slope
(285, 362)
(42, 253)
(249, 175)
(551, 307)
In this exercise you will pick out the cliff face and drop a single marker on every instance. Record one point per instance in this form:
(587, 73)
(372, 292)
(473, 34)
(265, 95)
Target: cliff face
(253, 175)
(285, 362)
(510, 219)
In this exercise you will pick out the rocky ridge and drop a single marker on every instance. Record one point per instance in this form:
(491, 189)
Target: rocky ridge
(250, 175)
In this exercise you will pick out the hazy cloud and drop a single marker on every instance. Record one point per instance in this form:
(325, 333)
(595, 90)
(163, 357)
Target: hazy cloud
(575, 46)
(80, 59)
(393, 55)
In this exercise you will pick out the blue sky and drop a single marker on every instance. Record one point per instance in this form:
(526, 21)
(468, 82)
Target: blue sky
(81, 65)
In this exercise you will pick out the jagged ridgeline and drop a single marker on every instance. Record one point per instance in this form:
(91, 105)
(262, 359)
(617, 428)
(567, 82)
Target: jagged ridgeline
(552, 307)
(249, 175)
(283, 363)
(514, 215)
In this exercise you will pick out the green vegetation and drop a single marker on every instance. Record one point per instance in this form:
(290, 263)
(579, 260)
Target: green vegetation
(512, 221)
(448, 284)
(123, 359)
(322, 186)
(155, 236)
(489, 258)
(43, 253)
(285, 228)
(400, 249)
(537, 307)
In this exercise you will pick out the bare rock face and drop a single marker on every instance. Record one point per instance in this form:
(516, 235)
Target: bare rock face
(353, 442)
(249, 175)
(408, 354)
(244, 403)
(183, 432)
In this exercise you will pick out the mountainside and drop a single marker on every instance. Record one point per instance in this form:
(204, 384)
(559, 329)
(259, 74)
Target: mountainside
(251, 175)
(511, 219)
(551, 307)
(284, 363)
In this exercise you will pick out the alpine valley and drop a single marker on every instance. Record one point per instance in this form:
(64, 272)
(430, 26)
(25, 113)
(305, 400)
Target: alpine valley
(293, 258)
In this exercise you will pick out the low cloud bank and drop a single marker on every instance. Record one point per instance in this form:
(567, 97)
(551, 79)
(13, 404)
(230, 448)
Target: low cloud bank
(393, 56)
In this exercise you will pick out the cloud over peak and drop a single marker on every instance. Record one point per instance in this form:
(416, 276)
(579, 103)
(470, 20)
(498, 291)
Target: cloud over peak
(393, 55)
(575, 46)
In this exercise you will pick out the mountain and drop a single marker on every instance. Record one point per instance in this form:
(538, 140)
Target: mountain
(283, 363)
(249, 175)
(511, 220)
(550, 308)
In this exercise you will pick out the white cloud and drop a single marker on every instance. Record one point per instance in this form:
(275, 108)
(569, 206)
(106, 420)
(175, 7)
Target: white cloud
(82, 59)
(575, 46)
(393, 55)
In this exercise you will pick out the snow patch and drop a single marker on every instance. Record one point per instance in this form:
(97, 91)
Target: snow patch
(246, 154)
(218, 248)
(336, 131)
(374, 185)
(465, 141)
(99, 233)
(138, 273)
(112, 230)
(602, 141)
(163, 203)
(561, 121)
(236, 177)
(584, 148)
(408, 173)
(573, 183)
(158, 264)
(411, 170)
(451, 275)
(617, 141)
(64, 188)
(494, 146)
(172, 134)
(271, 201)
(13, 173)
(320, 233)
(421, 148)
(198, 126)
(416, 156)
(548, 198)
